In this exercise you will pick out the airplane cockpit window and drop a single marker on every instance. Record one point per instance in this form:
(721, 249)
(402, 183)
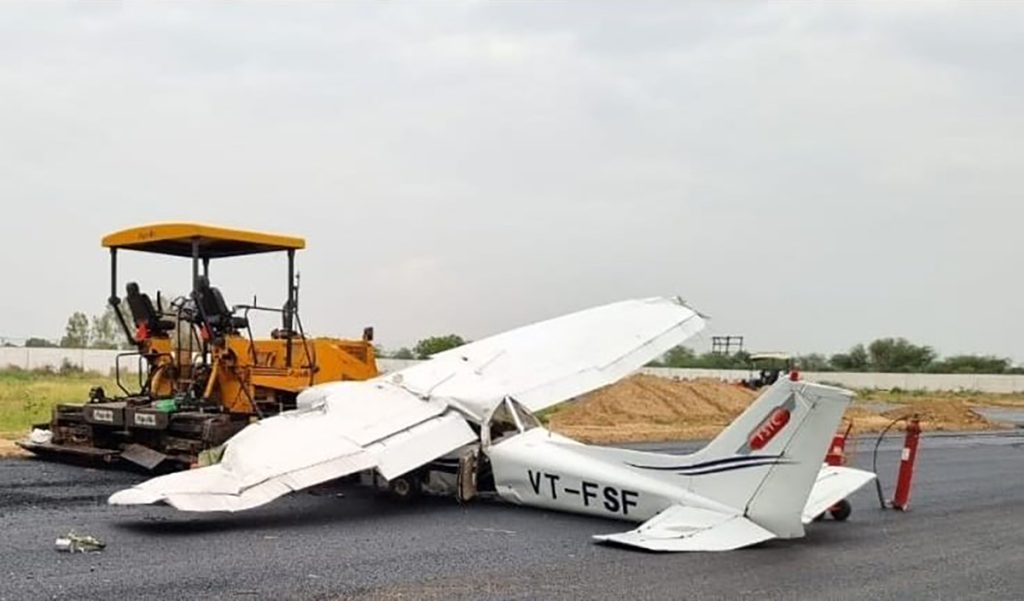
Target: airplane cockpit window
(502, 423)
(508, 419)
(527, 421)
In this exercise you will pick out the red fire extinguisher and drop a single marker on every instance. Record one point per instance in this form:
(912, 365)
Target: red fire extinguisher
(901, 500)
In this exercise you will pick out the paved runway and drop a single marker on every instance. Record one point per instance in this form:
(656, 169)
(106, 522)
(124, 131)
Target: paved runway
(964, 539)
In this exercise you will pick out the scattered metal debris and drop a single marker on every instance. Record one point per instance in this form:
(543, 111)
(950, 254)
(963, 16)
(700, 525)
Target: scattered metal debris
(40, 436)
(79, 543)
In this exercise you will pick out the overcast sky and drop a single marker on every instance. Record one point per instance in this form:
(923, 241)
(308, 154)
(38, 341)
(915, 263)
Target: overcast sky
(810, 175)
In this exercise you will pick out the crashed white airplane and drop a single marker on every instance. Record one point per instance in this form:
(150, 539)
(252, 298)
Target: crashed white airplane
(469, 411)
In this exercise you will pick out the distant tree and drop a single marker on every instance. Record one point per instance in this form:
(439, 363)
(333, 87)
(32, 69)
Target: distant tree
(972, 364)
(403, 353)
(39, 343)
(856, 359)
(679, 356)
(76, 332)
(436, 344)
(737, 360)
(899, 354)
(813, 362)
(105, 331)
(68, 367)
(859, 356)
(685, 357)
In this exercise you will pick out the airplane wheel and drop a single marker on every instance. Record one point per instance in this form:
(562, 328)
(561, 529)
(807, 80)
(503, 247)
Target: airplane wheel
(405, 488)
(841, 511)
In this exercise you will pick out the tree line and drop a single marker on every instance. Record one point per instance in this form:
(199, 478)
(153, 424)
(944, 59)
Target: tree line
(81, 331)
(881, 355)
(425, 347)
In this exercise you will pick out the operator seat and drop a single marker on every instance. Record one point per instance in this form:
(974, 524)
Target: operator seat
(215, 311)
(144, 313)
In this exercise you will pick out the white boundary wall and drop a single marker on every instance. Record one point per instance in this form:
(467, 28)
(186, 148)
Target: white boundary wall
(98, 360)
(103, 361)
(995, 383)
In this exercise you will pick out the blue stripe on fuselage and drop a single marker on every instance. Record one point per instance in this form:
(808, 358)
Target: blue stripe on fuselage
(742, 459)
(729, 468)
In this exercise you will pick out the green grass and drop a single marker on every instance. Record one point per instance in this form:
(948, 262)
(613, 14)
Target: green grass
(897, 395)
(26, 397)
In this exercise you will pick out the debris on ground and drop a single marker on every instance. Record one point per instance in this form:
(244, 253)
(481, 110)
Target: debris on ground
(79, 543)
(40, 436)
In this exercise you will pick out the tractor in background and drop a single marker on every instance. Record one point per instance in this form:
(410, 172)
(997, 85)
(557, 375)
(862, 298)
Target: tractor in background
(766, 368)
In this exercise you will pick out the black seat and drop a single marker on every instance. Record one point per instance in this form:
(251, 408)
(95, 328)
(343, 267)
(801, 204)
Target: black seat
(144, 313)
(215, 311)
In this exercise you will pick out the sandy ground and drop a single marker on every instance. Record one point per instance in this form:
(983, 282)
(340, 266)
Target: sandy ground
(648, 408)
(9, 449)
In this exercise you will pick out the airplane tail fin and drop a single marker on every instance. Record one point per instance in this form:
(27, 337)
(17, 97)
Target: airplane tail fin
(783, 436)
(766, 462)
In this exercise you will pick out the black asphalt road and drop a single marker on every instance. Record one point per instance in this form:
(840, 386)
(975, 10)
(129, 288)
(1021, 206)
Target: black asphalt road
(963, 539)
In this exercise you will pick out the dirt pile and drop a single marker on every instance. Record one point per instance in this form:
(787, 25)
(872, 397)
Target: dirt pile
(649, 408)
(936, 414)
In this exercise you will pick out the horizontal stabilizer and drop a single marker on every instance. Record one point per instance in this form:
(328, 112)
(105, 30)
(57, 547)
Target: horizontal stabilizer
(682, 528)
(834, 484)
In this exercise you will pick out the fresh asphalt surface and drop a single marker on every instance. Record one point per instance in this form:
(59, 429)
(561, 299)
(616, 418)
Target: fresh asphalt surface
(963, 539)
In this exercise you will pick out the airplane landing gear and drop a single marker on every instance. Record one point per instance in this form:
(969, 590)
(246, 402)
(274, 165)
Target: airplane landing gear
(840, 511)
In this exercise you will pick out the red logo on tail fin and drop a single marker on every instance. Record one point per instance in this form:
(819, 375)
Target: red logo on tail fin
(766, 431)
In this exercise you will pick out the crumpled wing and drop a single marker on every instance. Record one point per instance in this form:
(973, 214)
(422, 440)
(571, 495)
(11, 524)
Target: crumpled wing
(834, 484)
(683, 528)
(407, 419)
(363, 425)
(552, 361)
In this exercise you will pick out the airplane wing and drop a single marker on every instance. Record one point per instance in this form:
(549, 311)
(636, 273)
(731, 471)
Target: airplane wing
(834, 484)
(552, 361)
(363, 425)
(684, 528)
(401, 421)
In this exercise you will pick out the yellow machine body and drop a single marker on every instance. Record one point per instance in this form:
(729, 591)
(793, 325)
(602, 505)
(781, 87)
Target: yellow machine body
(205, 374)
(252, 377)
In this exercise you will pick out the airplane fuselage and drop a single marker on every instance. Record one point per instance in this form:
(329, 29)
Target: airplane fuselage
(543, 469)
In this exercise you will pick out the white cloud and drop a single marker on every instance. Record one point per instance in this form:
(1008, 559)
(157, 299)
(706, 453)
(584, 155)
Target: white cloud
(811, 175)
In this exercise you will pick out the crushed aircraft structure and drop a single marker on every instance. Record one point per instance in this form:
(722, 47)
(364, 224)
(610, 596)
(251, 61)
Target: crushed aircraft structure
(464, 423)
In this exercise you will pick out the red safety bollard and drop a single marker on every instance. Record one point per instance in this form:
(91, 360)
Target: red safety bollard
(901, 500)
(837, 450)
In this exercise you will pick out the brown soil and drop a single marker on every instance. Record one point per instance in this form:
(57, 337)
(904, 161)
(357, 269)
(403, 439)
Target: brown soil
(649, 408)
(9, 449)
(644, 407)
(935, 414)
